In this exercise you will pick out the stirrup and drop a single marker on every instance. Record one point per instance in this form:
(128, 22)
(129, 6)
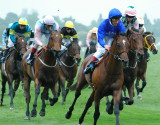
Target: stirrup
(29, 62)
(88, 69)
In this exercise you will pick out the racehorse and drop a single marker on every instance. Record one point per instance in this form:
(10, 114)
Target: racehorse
(135, 55)
(92, 48)
(45, 73)
(107, 79)
(142, 65)
(68, 63)
(11, 69)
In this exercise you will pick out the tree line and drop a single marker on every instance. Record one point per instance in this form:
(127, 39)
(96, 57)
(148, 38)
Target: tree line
(81, 29)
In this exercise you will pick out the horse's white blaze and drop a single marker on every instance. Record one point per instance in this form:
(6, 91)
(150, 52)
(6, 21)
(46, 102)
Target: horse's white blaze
(124, 42)
(56, 35)
(22, 40)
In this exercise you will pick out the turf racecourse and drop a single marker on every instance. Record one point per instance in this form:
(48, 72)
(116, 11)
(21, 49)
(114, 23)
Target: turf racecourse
(144, 112)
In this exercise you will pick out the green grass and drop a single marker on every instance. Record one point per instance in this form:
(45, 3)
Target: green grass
(144, 112)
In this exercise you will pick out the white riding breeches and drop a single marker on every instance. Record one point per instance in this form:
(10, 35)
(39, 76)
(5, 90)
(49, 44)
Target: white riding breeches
(10, 43)
(101, 50)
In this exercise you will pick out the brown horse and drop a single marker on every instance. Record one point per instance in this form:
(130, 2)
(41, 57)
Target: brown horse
(11, 69)
(46, 73)
(135, 54)
(68, 63)
(107, 79)
(142, 65)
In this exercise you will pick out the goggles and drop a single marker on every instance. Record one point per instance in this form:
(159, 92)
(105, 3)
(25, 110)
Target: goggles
(140, 25)
(129, 16)
(68, 28)
(22, 25)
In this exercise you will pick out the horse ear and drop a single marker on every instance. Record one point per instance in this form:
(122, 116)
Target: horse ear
(152, 33)
(17, 37)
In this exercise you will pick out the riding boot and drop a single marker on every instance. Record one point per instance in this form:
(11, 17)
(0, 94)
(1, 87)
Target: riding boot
(29, 62)
(4, 56)
(90, 67)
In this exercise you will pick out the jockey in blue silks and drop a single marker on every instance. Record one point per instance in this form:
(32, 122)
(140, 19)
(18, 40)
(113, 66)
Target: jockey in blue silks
(106, 31)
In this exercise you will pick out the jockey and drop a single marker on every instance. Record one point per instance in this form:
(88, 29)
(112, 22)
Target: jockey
(20, 27)
(5, 35)
(68, 32)
(31, 38)
(43, 27)
(141, 24)
(106, 30)
(92, 34)
(141, 27)
(129, 19)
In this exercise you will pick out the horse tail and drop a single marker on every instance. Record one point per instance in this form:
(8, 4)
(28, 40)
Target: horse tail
(73, 87)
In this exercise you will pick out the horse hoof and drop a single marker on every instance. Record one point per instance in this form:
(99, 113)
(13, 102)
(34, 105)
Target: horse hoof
(42, 113)
(27, 118)
(109, 111)
(11, 107)
(139, 97)
(33, 113)
(53, 101)
(68, 115)
(129, 102)
(121, 106)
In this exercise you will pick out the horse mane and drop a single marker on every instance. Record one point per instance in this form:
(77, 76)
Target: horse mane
(136, 30)
(147, 33)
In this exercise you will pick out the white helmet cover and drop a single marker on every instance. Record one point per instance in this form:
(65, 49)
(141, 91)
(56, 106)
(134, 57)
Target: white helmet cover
(49, 20)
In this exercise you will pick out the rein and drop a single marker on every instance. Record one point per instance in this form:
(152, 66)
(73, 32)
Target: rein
(46, 64)
(146, 42)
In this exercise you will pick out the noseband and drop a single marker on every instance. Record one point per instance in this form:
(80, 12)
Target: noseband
(146, 42)
(132, 43)
(117, 55)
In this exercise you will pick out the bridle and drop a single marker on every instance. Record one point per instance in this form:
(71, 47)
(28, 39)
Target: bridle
(132, 43)
(117, 55)
(146, 42)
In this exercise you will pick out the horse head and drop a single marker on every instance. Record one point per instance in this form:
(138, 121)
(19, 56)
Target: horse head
(54, 44)
(150, 42)
(74, 51)
(92, 48)
(121, 47)
(136, 41)
(21, 45)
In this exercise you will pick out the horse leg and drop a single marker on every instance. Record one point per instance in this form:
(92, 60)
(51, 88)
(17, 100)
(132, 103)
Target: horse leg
(143, 82)
(45, 91)
(131, 94)
(68, 86)
(124, 90)
(117, 97)
(37, 91)
(138, 88)
(88, 105)
(3, 88)
(11, 91)
(61, 82)
(16, 85)
(54, 92)
(109, 108)
(28, 96)
(80, 84)
(59, 87)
